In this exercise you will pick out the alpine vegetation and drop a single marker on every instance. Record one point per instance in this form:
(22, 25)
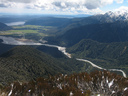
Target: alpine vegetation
(97, 83)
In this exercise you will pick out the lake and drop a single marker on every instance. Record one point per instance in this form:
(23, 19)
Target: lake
(15, 23)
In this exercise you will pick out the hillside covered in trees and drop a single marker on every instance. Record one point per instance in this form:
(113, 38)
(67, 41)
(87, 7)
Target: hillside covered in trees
(25, 63)
(106, 55)
(105, 33)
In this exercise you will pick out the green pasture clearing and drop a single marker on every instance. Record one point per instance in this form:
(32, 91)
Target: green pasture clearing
(1, 33)
(42, 34)
(27, 26)
(22, 31)
(26, 29)
(33, 27)
(11, 32)
(29, 31)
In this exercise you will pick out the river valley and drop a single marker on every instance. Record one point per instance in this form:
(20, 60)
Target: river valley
(14, 41)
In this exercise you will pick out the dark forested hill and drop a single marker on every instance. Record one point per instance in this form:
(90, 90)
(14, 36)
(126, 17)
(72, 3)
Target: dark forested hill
(4, 27)
(106, 33)
(51, 51)
(107, 55)
(4, 47)
(25, 63)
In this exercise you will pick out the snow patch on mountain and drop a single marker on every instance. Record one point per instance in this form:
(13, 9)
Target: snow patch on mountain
(118, 14)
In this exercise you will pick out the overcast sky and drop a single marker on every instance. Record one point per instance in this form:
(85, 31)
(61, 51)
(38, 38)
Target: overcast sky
(61, 6)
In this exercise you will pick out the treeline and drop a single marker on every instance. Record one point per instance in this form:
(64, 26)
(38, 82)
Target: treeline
(82, 84)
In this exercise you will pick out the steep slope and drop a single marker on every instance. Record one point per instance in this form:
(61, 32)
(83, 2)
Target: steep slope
(107, 55)
(106, 33)
(24, 63)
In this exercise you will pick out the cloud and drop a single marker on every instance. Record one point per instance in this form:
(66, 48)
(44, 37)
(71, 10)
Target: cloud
(2, 5)
(121, 9)
(89, 4)
(20, 1)
(60, 5)
(119, 1)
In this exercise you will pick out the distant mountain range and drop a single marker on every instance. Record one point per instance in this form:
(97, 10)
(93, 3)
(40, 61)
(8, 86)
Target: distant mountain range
(120, 14)
(65, 24)
(48, 21)
(107, 28)
(108, 17)
(94, 19)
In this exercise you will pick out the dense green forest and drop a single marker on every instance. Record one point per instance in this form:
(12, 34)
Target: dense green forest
(25, 63)
(107, 55)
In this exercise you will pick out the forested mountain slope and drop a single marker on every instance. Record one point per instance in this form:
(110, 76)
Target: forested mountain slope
(106, 33)
(107, 55)
(25, 63)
